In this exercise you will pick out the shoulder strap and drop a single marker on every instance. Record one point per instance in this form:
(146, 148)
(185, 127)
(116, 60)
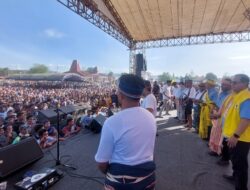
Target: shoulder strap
(202, 94)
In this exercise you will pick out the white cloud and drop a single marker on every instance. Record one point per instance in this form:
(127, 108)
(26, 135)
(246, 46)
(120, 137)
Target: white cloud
(53, 33)
(239, 57)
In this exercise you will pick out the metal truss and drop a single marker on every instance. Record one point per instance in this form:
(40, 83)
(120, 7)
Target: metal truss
(195, 40)
(88, 9)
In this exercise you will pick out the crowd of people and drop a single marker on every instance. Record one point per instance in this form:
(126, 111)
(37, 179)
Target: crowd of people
(218, 113)
(20, 102)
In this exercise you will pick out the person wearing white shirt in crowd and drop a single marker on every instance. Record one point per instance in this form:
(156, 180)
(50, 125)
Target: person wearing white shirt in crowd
(198, 99)
(123, 155)
(149, 101)
(166, 92)
(189, 95)
(176, 97)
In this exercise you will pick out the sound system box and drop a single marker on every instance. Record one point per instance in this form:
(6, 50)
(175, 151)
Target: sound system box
(97, 123)
(140, 64)
(16, 156)
(68, 109)
(41, 180)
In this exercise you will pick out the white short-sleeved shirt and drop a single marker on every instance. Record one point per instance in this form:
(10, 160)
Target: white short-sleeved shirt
(190, 92)
(199, 95)
(150, 102)
(166, 91)
(128, 137)
(177, 92)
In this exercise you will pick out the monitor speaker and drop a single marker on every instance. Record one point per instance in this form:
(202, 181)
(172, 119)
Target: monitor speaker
(16, 156)
(97, 123)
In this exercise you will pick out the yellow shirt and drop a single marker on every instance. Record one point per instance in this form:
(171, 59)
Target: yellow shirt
(231, 115)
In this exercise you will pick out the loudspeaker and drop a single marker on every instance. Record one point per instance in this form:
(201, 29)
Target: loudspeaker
(97, 123)
(16, 156)
(68, 109)
(140, 64)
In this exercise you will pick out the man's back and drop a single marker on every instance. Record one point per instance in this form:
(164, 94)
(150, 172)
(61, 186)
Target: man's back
(128, 137)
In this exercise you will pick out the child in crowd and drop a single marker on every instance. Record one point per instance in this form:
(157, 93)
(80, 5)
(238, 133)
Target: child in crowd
(23, 134)
(45, 140)
(70, 128)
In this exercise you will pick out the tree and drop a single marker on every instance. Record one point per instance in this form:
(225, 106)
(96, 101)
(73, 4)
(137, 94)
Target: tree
(92, 70)
(110, 74)
(38, 68)
(164, 77)
(4, 71)
(190, 75)
(211, 76)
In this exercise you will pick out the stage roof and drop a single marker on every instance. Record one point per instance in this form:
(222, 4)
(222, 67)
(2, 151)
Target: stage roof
(142, 21)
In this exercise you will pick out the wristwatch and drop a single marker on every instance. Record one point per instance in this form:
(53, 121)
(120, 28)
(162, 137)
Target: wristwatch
(236, 136)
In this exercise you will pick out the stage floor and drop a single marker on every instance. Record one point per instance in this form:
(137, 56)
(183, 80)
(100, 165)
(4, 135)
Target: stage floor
(181, 158)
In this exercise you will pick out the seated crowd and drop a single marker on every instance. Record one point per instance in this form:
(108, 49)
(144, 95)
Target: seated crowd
(20, 103)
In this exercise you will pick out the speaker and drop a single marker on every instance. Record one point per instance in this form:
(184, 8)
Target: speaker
(97, 123)
(16, 156)
(68, 109)
(140, 64)
(49, 114)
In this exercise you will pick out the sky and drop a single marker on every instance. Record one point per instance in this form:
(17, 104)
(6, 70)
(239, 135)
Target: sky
(46, 32)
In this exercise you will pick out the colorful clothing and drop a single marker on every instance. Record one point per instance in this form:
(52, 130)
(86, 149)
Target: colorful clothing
(216, 138)
(206, 108)
(232, 115)
(237, 108)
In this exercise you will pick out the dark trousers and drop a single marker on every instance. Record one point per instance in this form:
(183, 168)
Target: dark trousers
(139, 170)
(209, 129)
(225, 155)
(239, 159)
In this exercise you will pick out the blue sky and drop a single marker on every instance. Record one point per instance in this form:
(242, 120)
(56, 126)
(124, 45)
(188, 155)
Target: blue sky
(46, 32)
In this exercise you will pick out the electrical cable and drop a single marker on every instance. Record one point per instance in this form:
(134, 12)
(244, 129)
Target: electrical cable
(72, 174)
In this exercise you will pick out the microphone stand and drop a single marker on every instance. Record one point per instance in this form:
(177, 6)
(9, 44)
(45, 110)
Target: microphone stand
(58, 161)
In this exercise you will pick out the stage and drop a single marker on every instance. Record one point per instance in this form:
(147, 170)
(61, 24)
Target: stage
(181, 158)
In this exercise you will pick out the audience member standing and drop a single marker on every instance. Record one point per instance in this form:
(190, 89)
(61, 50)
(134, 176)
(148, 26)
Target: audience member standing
(149, 100)
(237, 129)
(166, 95)
(123, 150)
(206, 109)
(189, 95)
(215, 142)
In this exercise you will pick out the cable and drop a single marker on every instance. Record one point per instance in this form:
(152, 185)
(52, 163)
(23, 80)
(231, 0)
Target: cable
(75, 175)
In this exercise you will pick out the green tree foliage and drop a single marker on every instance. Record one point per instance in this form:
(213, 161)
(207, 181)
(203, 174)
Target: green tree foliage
(164, 77)
(38, 68)
(92, 70)
(4, 71)
(211, 76)
(110, 74)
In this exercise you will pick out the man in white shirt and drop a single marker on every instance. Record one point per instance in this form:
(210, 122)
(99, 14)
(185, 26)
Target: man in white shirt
(189, 95)
(149, 101)
(198, 99)
(166, 92)
(123, 153)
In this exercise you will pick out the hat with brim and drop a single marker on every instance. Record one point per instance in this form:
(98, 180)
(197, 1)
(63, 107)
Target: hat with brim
(131, 86)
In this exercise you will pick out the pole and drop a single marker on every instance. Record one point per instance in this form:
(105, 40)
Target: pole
(58, 129)
(58, 162)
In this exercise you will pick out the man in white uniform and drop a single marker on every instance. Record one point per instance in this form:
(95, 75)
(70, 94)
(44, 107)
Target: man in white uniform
(125, 152)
